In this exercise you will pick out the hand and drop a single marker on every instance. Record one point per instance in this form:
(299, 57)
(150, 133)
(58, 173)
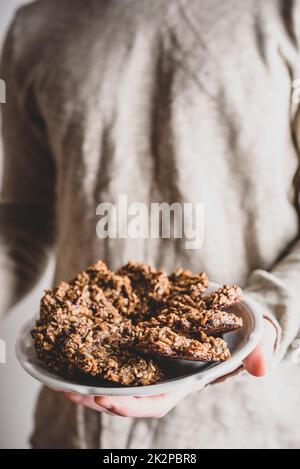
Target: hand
(147, 407)
(158, 406)
(257, 363)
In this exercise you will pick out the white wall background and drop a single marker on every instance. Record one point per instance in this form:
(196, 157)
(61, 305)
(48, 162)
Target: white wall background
(17, 390)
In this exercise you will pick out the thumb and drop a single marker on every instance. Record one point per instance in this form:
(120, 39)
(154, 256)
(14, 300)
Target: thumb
(258, 361)
(255, 363)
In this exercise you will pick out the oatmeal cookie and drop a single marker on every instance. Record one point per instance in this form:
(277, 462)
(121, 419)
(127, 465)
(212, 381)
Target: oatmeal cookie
(112, 325)
(114, 363)
(192, 285)
(183, 280)
(117, 289)
(165, 342)
(150, 286)
(181, 313)
(79, 330)
(224, 297)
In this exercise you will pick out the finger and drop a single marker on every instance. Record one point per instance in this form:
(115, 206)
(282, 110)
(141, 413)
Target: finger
(125, 406)
(258, 361)
(76, 398)
(141, 407)
(87, 401)
(255, 363)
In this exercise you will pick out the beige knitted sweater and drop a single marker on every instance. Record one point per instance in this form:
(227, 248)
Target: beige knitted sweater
(174, 101)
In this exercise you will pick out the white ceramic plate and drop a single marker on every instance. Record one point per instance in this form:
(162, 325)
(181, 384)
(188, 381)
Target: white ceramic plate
(178, 372)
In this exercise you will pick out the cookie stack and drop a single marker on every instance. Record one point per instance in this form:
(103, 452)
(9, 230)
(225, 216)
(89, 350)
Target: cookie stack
(115, 325)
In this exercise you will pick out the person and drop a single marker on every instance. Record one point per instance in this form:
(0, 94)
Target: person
(178, 101)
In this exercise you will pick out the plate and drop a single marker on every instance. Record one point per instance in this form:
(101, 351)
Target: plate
(178, 373)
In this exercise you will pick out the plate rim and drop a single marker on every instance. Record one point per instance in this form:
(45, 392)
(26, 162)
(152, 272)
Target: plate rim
(200, 377)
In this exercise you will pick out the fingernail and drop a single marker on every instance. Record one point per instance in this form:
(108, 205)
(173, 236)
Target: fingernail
(73, 397)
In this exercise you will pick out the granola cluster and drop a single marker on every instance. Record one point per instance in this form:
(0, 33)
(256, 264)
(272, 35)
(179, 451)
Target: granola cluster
(114, 325)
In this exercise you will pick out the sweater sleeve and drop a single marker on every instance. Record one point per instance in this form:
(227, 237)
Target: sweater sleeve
(279, 289)
(27, 188)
